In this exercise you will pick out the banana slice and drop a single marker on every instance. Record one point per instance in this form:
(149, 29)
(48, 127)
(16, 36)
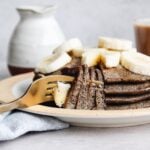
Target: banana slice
(136, 62)
(92, 56)
(73, 45)
(114, 44)
(60, 93)
(53, 62)
(133, 50)
(110, 58)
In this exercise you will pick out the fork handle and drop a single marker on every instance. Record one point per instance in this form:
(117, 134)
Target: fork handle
(9, 106)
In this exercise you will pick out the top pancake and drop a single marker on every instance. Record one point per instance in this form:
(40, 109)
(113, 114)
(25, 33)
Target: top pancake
(120, 74)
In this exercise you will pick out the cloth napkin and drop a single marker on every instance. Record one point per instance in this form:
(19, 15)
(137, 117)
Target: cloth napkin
(16, 123)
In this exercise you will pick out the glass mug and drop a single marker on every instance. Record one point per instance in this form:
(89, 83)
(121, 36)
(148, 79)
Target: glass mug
(142, 35)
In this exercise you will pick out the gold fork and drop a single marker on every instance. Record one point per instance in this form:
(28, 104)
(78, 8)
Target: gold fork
(40, 91)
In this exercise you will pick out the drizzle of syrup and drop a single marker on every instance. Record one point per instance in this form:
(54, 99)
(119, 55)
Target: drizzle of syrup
(19, 70)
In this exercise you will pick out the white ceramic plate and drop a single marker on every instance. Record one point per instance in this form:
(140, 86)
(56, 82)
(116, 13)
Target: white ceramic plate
(15, 86)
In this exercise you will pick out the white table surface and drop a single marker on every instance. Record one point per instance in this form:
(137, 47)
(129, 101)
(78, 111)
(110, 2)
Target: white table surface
(77, 138)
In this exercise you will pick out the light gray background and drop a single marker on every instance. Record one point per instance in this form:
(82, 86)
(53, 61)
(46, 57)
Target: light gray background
(86, 19)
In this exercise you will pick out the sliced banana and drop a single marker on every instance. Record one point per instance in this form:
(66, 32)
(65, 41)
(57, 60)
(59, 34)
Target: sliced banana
(60, 93)
(114, 44)
(92, 56)
(73, 45)
(136, 62)
(53, 62)
(93, 49)
(110, 58)
(133, 50)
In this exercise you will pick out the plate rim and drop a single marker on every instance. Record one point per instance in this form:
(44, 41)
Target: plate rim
(61, 112)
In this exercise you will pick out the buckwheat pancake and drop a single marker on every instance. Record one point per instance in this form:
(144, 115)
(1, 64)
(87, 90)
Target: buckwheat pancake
(120, 74)
(126, 99)
(127, 88)
(142, 104)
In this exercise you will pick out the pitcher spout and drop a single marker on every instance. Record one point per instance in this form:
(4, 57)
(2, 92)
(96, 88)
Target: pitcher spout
(25, 10)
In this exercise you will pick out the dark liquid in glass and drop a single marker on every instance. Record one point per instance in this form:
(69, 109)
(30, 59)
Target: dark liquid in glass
(142, 35)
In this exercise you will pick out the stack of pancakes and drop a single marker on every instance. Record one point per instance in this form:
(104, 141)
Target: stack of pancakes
(125, 89)
(118, 89)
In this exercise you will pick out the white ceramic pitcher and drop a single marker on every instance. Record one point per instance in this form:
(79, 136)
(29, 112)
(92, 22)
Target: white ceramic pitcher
(35, 37)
